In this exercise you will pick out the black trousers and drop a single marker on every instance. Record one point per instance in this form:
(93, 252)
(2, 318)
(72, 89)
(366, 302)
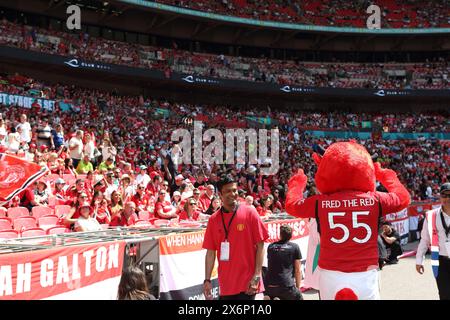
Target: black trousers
(284, 293)
(396, 250)
(239, 296)
(443, 278)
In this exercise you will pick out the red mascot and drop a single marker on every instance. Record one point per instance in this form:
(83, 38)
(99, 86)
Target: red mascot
(347, 211)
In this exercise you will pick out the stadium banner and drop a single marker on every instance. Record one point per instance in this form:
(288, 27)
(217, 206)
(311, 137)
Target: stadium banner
(88, 272)
(25, 101)
(415, 136)
(400, 222)
(182, 260)
(82, 65)
(340, 134)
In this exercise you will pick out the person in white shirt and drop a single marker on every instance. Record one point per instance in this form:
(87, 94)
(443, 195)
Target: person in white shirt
(25, 127)
(108, 150)
(442, 227)
(143, 178)
(85, 222)
(76, 147)
(89, 147)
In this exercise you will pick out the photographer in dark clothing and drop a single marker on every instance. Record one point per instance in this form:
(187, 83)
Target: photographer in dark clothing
(283, 277)
(391, 240)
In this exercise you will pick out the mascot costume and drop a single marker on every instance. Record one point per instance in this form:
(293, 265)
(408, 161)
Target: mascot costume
(347, 210)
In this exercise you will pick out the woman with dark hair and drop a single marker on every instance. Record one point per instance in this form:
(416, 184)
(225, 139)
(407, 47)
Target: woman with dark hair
(265, 207)
(133, 285)
(214, 205)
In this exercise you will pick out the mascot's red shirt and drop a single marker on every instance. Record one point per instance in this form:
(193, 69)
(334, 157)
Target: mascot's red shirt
(348, 226)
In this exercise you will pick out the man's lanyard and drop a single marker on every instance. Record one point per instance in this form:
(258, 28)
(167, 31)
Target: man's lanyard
(229, 223)
(446, 228)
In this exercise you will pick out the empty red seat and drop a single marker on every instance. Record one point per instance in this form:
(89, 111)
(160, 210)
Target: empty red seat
(22, 223)
(5, 223)
(9, 234)
(57, 230)
(33, 232)
(161, 222)
(40, 211)
(18, 212)
(143, 223)
(144, 215)
(48, 221)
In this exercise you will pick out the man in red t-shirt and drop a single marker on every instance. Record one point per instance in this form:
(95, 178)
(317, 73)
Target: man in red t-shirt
(237, 234)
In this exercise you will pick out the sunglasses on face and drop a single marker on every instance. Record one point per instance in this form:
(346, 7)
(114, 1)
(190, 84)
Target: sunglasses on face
(193, 203)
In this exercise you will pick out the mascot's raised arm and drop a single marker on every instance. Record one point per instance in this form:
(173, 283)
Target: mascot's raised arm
(347, 211)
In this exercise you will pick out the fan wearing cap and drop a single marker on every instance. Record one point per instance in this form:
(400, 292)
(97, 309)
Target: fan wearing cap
(179, 179)
(40, 193)
(126, 188)
(437, 224)
(143, 177)
(59, 192)
(85, 222)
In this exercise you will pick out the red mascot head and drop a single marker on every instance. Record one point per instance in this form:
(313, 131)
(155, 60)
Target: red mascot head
(344, 166)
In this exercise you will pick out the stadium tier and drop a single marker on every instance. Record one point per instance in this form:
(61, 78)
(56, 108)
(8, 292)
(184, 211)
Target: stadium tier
(426, 75)
(338, 13)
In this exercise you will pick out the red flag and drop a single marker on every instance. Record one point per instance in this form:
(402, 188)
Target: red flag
(17, 174)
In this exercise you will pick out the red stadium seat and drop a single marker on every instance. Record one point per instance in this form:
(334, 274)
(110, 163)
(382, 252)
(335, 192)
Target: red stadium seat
(3, 212)
(22, 223)
(40, 211)
(48, 221)
(33, 232)
(18, 212)
(5, 224)
(57, 230)
(143, 223)
(9, 234)
(61, 210)
(144, 215)
(161, 222)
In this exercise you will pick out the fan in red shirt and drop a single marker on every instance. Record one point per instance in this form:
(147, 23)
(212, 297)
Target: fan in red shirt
(141, 198)
(205, 198)
(126, 218)
(190, 211)
(237, 234)
(164, 209)
(347, 213)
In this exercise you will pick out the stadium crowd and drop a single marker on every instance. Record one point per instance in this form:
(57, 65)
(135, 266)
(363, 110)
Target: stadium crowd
(427, 75)
(337, 13)
(112, 156)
